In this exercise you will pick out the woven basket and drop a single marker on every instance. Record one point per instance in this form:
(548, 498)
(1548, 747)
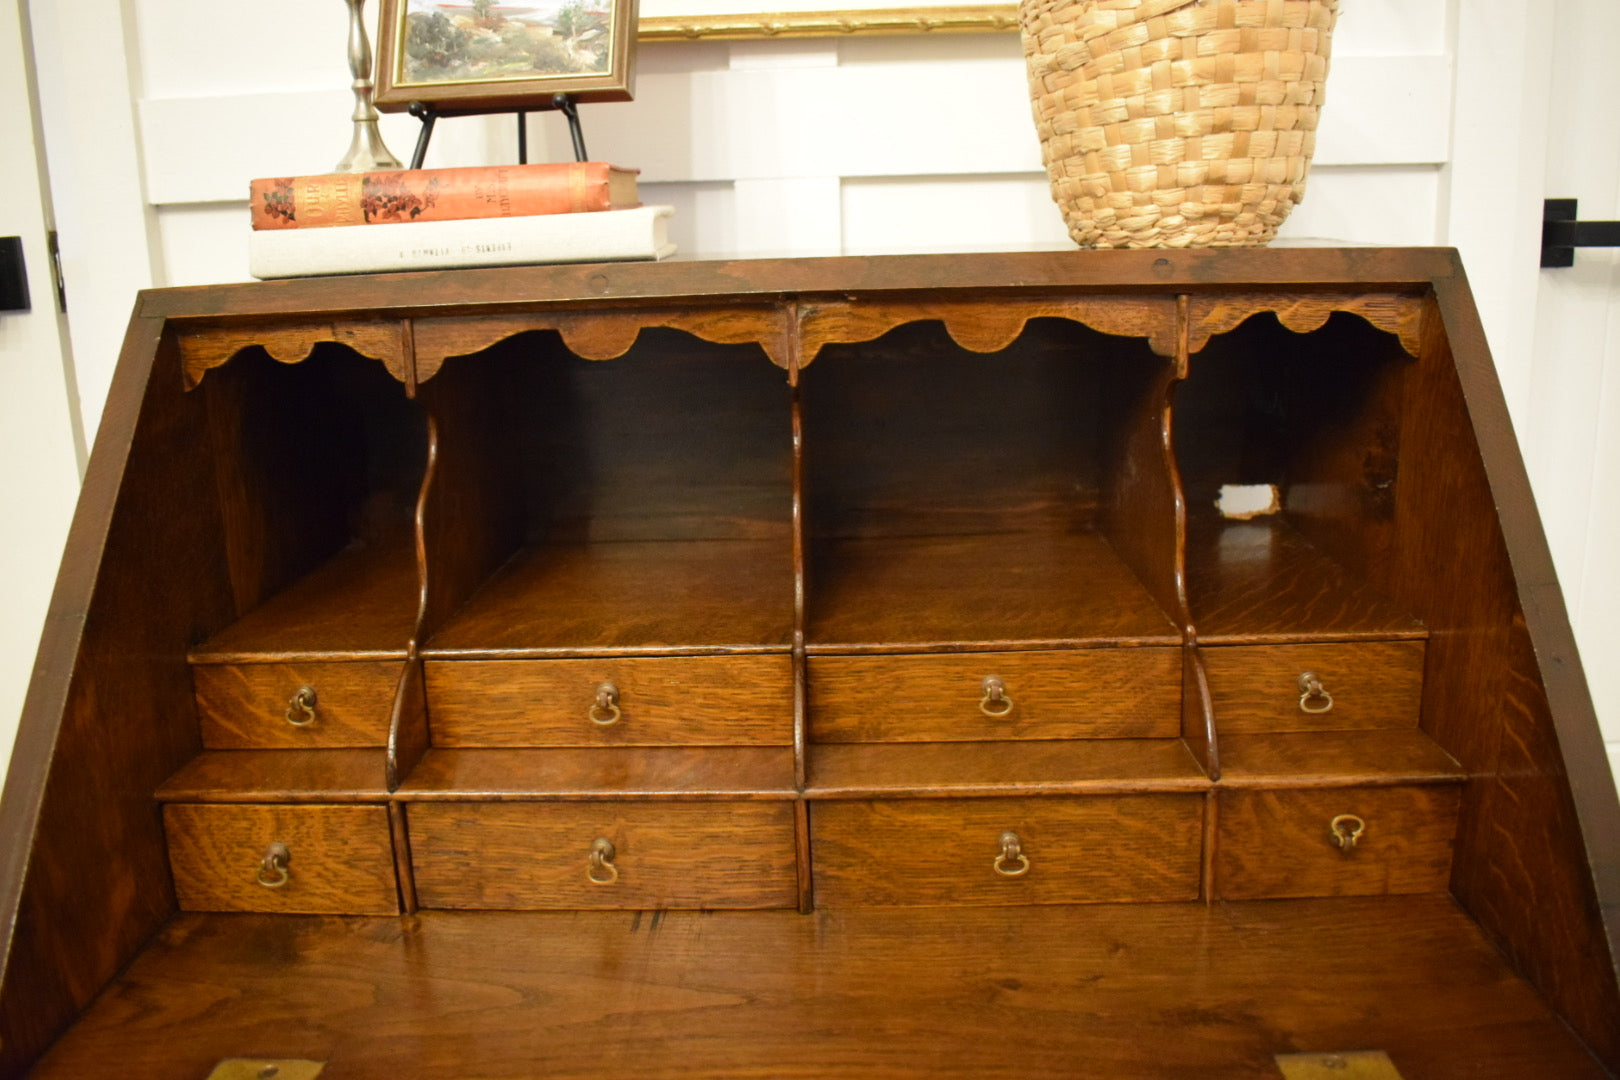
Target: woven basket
(1176, 123)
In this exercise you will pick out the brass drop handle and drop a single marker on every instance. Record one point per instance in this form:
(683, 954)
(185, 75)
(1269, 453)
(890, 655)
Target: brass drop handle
(1346, 829)
(600, 869)
(605, 709)
(1012, 862)
(301, 709)
(1313, 696)
(995, 701)
(273, 872)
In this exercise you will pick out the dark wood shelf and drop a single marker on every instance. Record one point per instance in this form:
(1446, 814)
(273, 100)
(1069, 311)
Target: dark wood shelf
(1336, 759)
(359, 605)
(1260, 581)
(678, 772)
(250, 776)
(1131, 992)
(1096, 766)
(990, 591)
(629, 597)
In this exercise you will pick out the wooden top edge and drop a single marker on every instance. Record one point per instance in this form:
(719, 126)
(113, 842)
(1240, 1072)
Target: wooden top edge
(444, 292)
(277, 776)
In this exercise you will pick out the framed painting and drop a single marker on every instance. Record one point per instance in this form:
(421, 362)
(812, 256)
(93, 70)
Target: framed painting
(486, 55)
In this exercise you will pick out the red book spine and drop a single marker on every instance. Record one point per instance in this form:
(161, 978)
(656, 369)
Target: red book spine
(313, 202)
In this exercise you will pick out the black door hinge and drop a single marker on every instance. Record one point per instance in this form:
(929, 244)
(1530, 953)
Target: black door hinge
(1561, 234)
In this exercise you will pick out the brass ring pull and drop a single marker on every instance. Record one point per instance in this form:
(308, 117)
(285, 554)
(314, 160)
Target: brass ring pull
(1346, 829)
(1011, 852)
(301, 709)
(1312, 690)
(995, 701)
(600, 870)
(273, 872)
(605, 710)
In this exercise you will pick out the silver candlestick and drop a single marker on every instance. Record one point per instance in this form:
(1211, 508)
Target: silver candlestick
(366, 149)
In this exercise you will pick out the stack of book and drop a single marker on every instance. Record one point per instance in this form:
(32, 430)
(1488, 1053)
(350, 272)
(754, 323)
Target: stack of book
(416, 219)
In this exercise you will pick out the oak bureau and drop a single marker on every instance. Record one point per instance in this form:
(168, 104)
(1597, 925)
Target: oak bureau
(853, 667)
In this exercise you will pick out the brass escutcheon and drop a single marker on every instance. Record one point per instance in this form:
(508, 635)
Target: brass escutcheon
(1346, 829)
(273, 872)
(1312, 690)
(1011, 852)
(600, 869)
(301, 709)
(605, 709)
(995, 701)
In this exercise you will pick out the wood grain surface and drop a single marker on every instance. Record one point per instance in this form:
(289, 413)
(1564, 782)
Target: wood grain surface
(1256, 582)
(853, 770)
(666, 855)
(1034, 590)
(685, 700)
(1151, 992)
(1083, 693)
(1373, 684)
(1101, 849)
(246, 706)
(716, 595)
(719, 772)
(342, 858)
(326, 775)
(359, 606)
(1278, 843)
(1336, 759)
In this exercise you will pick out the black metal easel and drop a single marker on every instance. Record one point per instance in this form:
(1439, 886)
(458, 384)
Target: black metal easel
(429, 114)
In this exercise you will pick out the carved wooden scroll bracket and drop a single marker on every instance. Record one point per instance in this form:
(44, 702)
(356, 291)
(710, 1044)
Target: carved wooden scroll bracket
(205, 348)
(1400, 314)
(599, 335)
(986, 326)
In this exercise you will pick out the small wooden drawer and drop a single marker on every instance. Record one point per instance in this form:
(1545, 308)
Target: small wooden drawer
(284, 706)
(630, 855)
(1092, 849)
(1087, 693)
(1332, 686)
(1282, 843)
(640, 701)
(334, 859)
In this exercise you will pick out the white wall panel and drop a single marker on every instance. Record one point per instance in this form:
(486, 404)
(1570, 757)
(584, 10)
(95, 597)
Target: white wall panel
(950, 213)
(948, 117)
(1368, 204)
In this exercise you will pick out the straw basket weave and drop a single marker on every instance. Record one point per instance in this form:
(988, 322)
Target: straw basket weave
(1176, 123)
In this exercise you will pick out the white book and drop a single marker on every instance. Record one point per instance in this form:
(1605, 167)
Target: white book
(595, 236)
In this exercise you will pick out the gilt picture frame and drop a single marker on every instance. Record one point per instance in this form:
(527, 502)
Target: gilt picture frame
(487, 55)
(741, 20)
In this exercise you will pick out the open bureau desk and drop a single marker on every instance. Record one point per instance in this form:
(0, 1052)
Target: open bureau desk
(817, 668)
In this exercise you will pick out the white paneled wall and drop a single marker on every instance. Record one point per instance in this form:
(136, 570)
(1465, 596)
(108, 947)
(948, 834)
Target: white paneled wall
(861, 145)
(158, 112)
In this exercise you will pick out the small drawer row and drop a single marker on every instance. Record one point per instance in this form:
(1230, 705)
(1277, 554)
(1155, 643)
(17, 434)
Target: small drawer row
(748, 699)
(638, 855)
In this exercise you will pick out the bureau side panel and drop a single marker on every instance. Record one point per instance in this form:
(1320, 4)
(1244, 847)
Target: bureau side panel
(84, 878)
(1503, 690)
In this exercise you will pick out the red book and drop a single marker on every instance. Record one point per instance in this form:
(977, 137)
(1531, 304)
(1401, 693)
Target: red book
(483, 191)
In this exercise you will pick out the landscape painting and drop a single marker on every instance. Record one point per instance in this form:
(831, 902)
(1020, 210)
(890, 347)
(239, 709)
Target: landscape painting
(499, 54)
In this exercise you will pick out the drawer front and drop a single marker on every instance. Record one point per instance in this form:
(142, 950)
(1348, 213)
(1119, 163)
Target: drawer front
(1092, 693)
(1268, 688)
(1282, 844)
(339, 859)
(261, 706)
(631, 855)
(1093, 849)
(642, 701)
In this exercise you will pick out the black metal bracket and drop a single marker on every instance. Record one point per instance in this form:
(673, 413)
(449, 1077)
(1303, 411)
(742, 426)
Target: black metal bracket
(13, 275)
(563, 103)
(1561, 234)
